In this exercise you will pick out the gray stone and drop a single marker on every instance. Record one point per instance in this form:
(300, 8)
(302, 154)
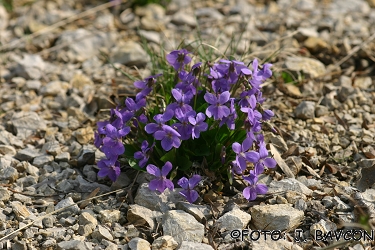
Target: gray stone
(22, 198)
(139, 215)
(54, 88)
(27, 154)
(289, 184)
(9, 174)
(183, 18)
(182, 226)
(86, 186)
(4, 194)
(363, 82)
(84, 135)
(165, 242)
(33, 84)
(235, 219)
(49, 243)
(7, 138)
(19, 245)
(7, 150)
(102, 233)
(3, 18)
(109, 216)
(52, 148)
(305, 110)
(150, 36)
(139, 244)
(87, 155)
(73, 245)
(27, 123)
(209, 12)
(188, 245)
(73, 208)
(323, 226)
(63, 157)
(200, 212)
(31, 67)
(321, 111)
(340, 206)
(131, 54)
(311, 67)
(268, 244)
(48, 221)
(42, 160)
(276, 217)
(83, 44)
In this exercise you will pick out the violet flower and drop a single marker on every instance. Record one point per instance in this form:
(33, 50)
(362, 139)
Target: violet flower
(184, 128)
(255, 188)
(169, 137)
(198, 125)
(230, 119)
(178, 58)
(241, 153)
(110, 168)
(160, 120)
(161, 182)
(188, 185)
(112, 143)
(217, 109)
(261, 159)
(145, 86)
(143, 155)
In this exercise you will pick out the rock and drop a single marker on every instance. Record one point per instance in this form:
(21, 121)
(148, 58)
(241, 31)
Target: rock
(363, 82)
(19, 210)
(109, 216)
(84, 135)
(305, 110)
(3, 18)
(7, 150)
(139, 215)
(183, 18)
(268, 244)
(276, 217)
(33, 85)
(7, 138)
(54, 88)
(321, 111)
(9, 174)
(187, 245)
(131, 54)
(30, 67)
(4, 194)
(83, 44)
(51, 147)
(235, 219)
(289, 184)
(310, 67)
(340, 206)
(73, 245)
(165, 242)
(27, 154)
(150, 36)
(200, 212)
(72, 209)
(86, 186)
(182, 226)
(316, 44)
(27, 123)
(157, 202)
(102, 233)
(323, 226)
(139, 244)
(42, 160)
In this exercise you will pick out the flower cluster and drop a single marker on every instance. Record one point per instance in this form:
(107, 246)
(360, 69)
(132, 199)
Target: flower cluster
(211, 113)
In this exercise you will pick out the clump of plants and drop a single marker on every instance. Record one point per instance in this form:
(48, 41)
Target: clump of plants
(205, 114)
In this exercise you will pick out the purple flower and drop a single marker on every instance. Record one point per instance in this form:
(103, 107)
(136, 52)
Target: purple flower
(184, 128)
(98, 140)
(255, 188)
(188, 185)
(217, 109)
(261, 159)
(101, 127)
(110, 168)
(112, 143)
(178, 58)
(267, 114)
(229, 120)
(169, 137)
(241, 154)
(143, 155)
(198, 125)
(182, 100)
(160, 119)
(135, 106)
(145, 86)
(161, 182)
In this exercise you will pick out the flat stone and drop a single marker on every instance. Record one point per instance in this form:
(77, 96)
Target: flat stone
(305, 110)
(27, 154)
(27, 123)
(54, 88)
(7, 138)
(276, 217)
(9, 174)
(188, 245)
(182, 226)
(130, 53)
(19, 210)
(84, 135)
(235, 219)
(165, 242)
(200, 212)
(289, 184)
(309, 66)
(31, 67)
(183, 18)
(52, 148)
(7, 150)
(42, 160)
(139, 244)
(139, 215)
(102, 233)
(109, 216)
(72, 245)
(73, 209)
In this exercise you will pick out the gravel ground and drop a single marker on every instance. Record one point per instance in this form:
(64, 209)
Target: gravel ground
(56, 83)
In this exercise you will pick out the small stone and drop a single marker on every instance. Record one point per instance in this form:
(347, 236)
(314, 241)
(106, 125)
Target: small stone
(27, 123)
(182, 226)
(235, 219)
(139, 244)
(54, 88)
(4, 194)
(305, 110)
(71, 245)
(102, 233)
(321, 111)
(183, 18)
(49, 243)
(200, 212)
(363, 82)
(9, 174)
(309, 66)
(42, 160)
(52, 148)
(86, 218)
(27, 154)
(130, 53)
(73, 209)
(188, 245)
(139, 215)
(165, 242)
(277, 217)
(31, 67)
(7, 150)
(84, 135)
(19, 210)
(109, 216)
(63, 157)
(48, 221)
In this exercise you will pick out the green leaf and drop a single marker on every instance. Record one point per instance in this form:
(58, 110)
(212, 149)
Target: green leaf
(169, 156)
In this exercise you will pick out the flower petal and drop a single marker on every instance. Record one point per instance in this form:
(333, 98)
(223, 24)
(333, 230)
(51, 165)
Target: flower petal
(166, 168)
(236, 147)
(252, 156)
(153, 184)
(269, 162)
(261, 188)
(152, 169)
(210, 98)
(183, 182)
(194, 180)
(224, 97)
